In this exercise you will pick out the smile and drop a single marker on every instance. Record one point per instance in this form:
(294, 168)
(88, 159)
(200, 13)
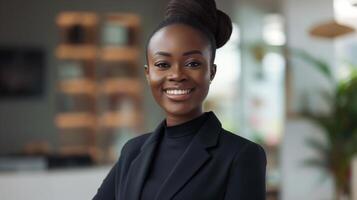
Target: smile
(177, 91)
(178, 94)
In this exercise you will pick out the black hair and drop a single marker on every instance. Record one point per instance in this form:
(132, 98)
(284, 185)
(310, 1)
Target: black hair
(202, 15)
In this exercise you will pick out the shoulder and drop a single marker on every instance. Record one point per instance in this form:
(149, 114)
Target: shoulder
(240, 147)
(133, 145)
(138, 140)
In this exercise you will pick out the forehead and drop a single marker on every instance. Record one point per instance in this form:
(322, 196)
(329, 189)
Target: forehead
(178, 38)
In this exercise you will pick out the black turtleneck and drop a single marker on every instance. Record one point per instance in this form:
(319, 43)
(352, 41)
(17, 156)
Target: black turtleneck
(172, 145)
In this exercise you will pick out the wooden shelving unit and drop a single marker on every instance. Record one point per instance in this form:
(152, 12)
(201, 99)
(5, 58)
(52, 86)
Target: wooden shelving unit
(103, 42)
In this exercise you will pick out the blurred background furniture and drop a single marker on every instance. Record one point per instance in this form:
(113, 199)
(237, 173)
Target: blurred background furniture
(100, 91)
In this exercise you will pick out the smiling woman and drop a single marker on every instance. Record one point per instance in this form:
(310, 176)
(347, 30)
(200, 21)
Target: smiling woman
(189, 156)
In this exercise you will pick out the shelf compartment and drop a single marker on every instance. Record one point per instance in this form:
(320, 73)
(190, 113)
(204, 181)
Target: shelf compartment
(78, 87)
(76, 52)
(76, 120)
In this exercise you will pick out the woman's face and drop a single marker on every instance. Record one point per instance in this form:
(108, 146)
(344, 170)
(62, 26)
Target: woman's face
(179, 71)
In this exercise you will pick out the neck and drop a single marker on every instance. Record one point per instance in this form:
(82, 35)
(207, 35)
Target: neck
(173, 120)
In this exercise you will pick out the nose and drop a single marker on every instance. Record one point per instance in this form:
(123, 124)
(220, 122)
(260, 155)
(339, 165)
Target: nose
(177, 74)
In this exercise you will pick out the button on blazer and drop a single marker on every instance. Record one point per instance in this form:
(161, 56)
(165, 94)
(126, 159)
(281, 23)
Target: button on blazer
(217, 165)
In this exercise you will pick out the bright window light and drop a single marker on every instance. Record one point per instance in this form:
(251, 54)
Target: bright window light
(346, 12)
(273, 30)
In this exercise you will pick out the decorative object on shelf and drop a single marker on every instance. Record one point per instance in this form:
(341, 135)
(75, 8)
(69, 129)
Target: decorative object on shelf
(78, 28)
(76, 34)
(330, 30)
(127, 25)
(339, 126)
(115, 34)
(70, 70)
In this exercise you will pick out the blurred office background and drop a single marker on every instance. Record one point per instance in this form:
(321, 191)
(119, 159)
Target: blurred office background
(72, 92)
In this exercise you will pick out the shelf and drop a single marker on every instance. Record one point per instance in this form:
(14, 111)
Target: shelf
(79, 150)
(121, 54)
(118, 120)
(66, 19)
(78, 87)
(132, 87)
(76, 52)
(76, 120)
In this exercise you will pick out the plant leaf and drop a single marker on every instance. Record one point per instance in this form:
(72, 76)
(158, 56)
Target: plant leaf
(318, 64)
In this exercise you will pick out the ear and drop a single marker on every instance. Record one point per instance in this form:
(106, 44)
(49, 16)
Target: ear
(213, 71)
(146, 69)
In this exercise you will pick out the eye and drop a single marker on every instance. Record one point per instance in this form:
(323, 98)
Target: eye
(193, 64)
(162, 65)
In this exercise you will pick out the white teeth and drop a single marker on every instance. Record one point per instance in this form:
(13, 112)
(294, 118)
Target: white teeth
(178, 92)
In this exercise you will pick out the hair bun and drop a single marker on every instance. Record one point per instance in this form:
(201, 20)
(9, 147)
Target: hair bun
(224, 28)
(205, 13)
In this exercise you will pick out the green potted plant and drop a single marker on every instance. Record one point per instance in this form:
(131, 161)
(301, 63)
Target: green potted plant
(339, 126)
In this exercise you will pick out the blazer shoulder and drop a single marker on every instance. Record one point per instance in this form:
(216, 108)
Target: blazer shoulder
(241, 145)
(134, 144)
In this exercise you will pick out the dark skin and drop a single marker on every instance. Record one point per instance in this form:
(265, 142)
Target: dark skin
(179, 71)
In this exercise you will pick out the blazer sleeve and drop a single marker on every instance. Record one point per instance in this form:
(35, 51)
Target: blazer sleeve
(247, 175)
(108, 189)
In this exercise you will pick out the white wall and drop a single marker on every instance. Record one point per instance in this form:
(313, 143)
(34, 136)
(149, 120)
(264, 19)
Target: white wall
(301, 16)
(300, 182)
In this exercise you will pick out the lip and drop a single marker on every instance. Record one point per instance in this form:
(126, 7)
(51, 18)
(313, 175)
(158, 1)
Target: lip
(178, 97)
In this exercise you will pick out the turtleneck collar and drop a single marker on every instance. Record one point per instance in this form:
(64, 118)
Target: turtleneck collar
(185, 129)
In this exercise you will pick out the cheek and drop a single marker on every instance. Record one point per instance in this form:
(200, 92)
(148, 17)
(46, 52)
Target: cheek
(203, 79)
(155, 82)
(155, 78)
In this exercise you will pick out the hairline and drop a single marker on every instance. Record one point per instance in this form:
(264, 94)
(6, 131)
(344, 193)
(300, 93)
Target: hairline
(205, 33)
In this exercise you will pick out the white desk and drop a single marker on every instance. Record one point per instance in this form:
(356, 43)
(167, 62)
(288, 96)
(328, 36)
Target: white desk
(76, 184)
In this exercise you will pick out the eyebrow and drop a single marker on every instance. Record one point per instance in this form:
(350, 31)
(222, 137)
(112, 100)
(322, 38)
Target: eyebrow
(192, 52)
(162, 53)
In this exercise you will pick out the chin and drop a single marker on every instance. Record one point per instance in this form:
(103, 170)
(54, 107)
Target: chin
(179, 110)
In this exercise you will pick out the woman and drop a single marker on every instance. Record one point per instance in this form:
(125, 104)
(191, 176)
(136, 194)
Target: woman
(189, 156)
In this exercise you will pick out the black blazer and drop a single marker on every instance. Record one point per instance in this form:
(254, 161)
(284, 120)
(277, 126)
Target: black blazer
(217, 165)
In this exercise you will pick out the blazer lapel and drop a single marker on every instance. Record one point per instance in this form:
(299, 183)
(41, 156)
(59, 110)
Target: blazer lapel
(140, 165)
(192, 159)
